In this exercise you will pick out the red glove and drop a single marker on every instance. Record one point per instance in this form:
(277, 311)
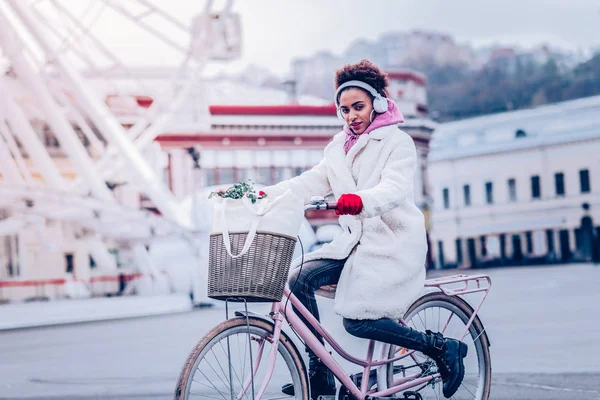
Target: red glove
(349, 204)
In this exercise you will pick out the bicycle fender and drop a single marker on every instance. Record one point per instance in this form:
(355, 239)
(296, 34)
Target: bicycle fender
(251, 314)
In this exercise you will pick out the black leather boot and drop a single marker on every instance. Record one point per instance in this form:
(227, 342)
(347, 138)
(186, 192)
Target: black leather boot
(448, 354)
(322, 382)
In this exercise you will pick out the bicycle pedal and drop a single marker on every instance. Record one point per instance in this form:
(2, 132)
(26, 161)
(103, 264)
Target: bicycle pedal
(412, 396)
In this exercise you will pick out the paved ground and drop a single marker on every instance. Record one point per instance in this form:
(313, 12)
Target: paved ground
(543, 323)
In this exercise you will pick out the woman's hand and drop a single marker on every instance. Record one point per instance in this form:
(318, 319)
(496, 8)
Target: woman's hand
(350, 204)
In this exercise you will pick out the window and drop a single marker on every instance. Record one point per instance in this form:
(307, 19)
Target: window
(69, 266)
(578, 238)
(467, 195)
(550, 240)
(226, 176)
(512, 190)
(535, 187)
(446, 196)
(489, 195)
(82, 137)
(299, 170)
(282, 173)
(529, 240)
(584, 180)
(263, 175)
(49, 138)
(9, 256)
(211, 179)
(483, 246)
(559, 183)
(244, 174)
(117, 256)
(459, 256)
(441, 253)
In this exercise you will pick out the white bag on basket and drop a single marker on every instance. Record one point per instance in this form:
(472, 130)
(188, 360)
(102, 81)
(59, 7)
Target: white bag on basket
(280, 215)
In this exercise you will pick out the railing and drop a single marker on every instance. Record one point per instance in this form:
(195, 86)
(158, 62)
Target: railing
(54, 287)
(40, 286)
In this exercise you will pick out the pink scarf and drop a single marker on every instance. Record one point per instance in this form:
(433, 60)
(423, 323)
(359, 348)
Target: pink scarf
(392, 116)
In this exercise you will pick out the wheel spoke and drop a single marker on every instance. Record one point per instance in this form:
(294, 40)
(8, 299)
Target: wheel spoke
(213, 385)
(216, 373)
(440, 313)
(243, 360)
(464, 382)
(463, 386)
(447, 323)
(234, 372)
(204, 395)
(423, 323)
(207, 373)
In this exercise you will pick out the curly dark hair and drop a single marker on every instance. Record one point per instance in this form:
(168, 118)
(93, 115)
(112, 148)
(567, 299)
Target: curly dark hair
(364, 71)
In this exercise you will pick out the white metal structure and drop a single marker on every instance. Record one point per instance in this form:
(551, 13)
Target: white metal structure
(44, 47)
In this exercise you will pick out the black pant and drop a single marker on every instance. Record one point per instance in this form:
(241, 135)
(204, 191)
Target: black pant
(303, 283)
(315, 274)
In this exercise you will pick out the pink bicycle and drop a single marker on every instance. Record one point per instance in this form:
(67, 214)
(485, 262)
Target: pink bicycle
(251, 357)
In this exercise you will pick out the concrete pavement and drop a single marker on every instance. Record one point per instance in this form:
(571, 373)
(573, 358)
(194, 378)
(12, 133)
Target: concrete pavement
(542, 321)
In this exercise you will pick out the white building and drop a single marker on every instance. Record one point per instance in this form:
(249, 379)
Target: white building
(268, 135)
(253, 133)
(518, 187)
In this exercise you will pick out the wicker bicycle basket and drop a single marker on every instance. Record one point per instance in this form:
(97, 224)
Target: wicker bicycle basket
(259, 275)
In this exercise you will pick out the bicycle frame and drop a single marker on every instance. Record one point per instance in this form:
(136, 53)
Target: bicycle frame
(279, 313)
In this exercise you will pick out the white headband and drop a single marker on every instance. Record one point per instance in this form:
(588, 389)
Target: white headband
(359, 84)
(380, 103)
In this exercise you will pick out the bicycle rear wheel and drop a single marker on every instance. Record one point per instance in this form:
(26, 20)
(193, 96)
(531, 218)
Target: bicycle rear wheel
(449, 315)
(207, 374)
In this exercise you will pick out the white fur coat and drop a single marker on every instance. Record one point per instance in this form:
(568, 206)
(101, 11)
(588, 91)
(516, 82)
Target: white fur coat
(385, 245)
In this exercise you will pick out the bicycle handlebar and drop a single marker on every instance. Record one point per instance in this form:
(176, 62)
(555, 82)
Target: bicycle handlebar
(319, 203)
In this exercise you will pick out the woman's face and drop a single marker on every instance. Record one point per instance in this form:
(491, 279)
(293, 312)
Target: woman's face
(356, 107)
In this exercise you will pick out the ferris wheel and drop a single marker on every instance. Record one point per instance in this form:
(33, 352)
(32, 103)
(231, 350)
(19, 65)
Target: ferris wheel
(63, 62)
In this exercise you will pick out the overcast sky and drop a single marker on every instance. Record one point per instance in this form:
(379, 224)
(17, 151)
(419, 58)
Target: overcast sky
(276, 31)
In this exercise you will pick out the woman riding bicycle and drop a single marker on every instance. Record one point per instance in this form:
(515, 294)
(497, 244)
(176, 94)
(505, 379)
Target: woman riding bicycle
(378, 262)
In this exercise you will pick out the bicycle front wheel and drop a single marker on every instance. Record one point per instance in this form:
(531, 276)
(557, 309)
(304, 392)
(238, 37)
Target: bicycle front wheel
(221, 364)
(449, 315)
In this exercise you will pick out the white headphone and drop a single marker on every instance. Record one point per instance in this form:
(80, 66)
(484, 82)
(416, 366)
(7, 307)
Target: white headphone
(380, 104)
